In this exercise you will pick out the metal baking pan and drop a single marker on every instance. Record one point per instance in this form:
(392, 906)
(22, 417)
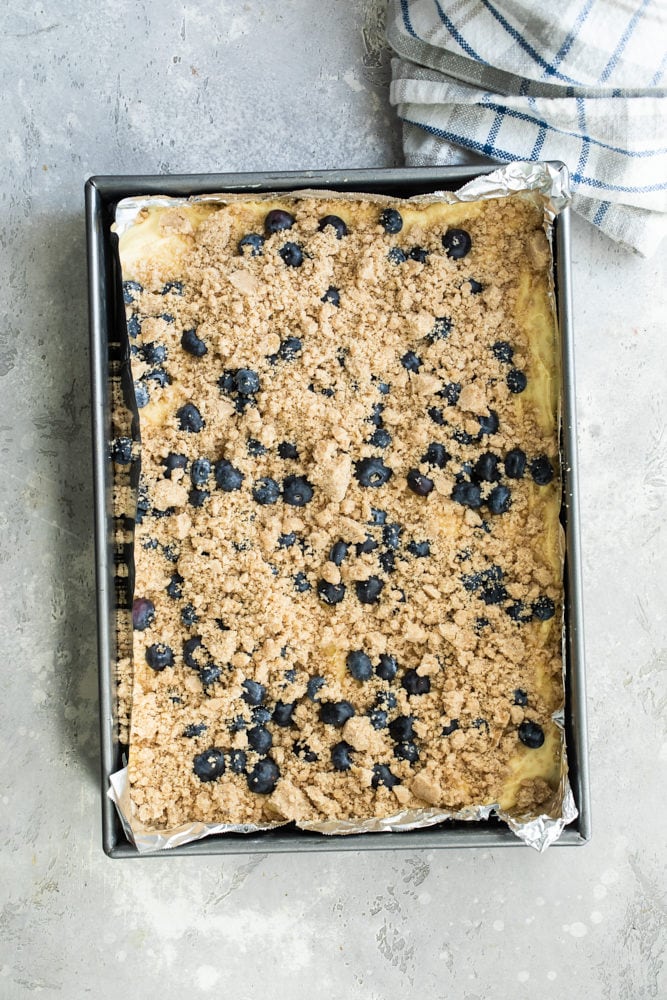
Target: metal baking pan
(102, 195)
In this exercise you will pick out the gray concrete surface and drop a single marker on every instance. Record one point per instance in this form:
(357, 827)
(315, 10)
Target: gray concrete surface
(129, 87)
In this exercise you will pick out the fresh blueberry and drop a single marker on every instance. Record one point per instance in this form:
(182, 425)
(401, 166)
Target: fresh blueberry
(335, 713)
(130, 291)
(338, 552)
(174, 586)
(292, 254)
(407, 751)
(194, 729)
(485, 469)
(282, 713)
(516, 380)
(340, 756)
(287, 450)
(543, 608)
(302, 750)
(143, 613)
(141, 395)
(402, 729)
(133, 328)
(176, 287)
(475, 286)
(372, 472)
(189, 418)
(254, 242)
(397, 256)
(192, 344)
(503, 351)
(277, 220)
(297, 491)
(121, 450)
(435, 413)
(378, 516)
(286, 541)
(330, 593)
(419, 484)
(499, 500)
(210, 764)
(541, 470)
(391, 535)
(419, 254)
(391, 221)
(238, 761)
(488, 424)
(227, 477)
(419, 549)
(450, 728)
(531, 734)
(189, 616)
(387, 561)
(386, 698)
(159, 376)
(289, 348)
(260, 715)
(264, 777)
(153, 354)
(253, 692)
(411, 361)
(381, 438)
(200, 471)
(336, 224)
(266, 491)
(359, 664)
(314, 685)
(376, 415)
(246, 381)
(173, 461)
(414, 683)
(457, 243)
(520, 697)
(368, 545)
(441, 329)
(368, 591)
(167, 317)
(515, 463)
(159, 656)
(255, 447)
(387, 667)
(451, 392)
(436, 455)
(383, 388)
(378, 718)
(190, 648)
(260, 739)
(383, 776)
(487, 584)
(331, 295)
(301, 584)
(518, 612)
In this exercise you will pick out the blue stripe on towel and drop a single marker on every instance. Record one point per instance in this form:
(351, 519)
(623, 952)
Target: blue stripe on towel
(457, 36)
(535, 56)
(406, 19)
(625, 38)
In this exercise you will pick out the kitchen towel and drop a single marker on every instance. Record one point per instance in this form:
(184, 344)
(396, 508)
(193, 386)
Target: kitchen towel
(506, 80)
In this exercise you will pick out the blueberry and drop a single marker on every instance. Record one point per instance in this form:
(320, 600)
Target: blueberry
(338, 552)
(411, 361)
(368, 591)
(378, 516)
(330, 593)
(397, 256)
(435, 413)
(130, 291)
(372, 472)
(301, 584)
(159, 376)
(286, 541)
(237, 761)
(487, 584)
(173, 461)
(414, 683)
(485, 469)
(368, 545)
(387, 561)
(391, 221)
(301, 749)
(499, 500)
(387, 667)
(159, 656)
(336, 224)
(335, 713)
(153, 354)
(143, 613)
(289, 348)
(200, 471)
(516, 380)
(189, 616)
(515, 463)
(266, 491)
(451, 392)
(488, 424)
(359, 665)
(419, 549)
(401, 728)
(260, 739)
(441, 329)
(383, 388)
(121, 450)
(437, 455)
(386, 698)
(314, 685)
(419, 484)
(209, 765)
(167, 317)
(503, 351)
(520, 697)
(419, 254)
(383, 776)
(407, 751)
(194, 729)
(541, 470)
(297, 491)
(378, 718)
(282, 713)
(133, 328)
(141, 395)
(450, 728)
(254, 242)
(376, 415)
(543, 608)
(190, 648)
(381, 438)
(176, 287)
(277, 220)
(227, 477)
(189, 418)
(292, 254)
(253, 692)
(192, 344)
(246, 381)
(255, 447)
(331, 295)
(518, 612)
(174, 586)
(475, 286)
(287, 450)
(340, 756)
(531, 734)
(457, 243)
(260, 715)
(264, 777)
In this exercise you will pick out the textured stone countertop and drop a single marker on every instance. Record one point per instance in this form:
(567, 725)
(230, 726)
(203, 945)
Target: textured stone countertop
(177, 87)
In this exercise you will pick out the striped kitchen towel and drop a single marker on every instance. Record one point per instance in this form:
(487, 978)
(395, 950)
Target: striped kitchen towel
(502, 80)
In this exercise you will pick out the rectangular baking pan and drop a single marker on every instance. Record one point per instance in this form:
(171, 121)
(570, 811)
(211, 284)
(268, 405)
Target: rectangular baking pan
(102, 195)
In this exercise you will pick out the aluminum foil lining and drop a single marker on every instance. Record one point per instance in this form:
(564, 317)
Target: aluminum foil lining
(548, 184)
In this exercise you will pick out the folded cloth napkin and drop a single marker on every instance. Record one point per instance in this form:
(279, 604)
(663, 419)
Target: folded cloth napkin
(578, 81)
